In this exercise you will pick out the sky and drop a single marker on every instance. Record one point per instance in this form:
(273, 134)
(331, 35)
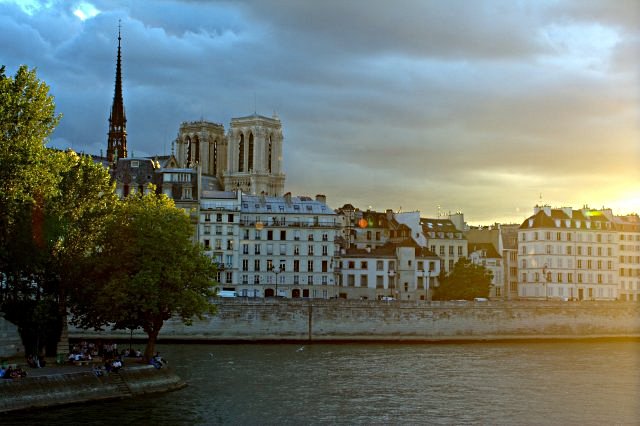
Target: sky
(483, 107)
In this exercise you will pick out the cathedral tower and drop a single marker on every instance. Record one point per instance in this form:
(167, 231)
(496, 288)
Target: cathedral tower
(117, 141)
(254, 156)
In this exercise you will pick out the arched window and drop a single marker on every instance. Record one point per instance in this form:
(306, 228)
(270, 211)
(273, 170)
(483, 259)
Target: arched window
(250, 167)
(196, 141)
(188, 143)
(214, 158)
(241, 154)
(269, 155)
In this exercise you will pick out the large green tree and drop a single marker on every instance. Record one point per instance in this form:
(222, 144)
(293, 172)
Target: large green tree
(27, 118)
(147, 270)
(53, 205)
(465, 282)
(28, 176)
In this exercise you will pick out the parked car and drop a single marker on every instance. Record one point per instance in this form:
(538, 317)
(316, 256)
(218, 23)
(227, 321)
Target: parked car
(227, 293)
(387, 298)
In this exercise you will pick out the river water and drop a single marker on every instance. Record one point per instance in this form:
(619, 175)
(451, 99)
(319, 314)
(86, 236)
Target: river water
(540, 383)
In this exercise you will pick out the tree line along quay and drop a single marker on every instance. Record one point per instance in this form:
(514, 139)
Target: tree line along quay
(130, 243)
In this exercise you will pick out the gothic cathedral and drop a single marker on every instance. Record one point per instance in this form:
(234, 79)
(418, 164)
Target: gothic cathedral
(248, 158)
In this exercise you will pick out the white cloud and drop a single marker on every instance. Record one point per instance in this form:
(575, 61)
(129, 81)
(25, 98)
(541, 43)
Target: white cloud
(85, 11)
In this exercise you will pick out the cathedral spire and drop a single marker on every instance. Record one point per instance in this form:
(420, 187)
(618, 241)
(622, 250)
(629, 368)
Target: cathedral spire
(117, 141)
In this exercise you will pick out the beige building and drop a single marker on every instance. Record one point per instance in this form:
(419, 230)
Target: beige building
(402, 271)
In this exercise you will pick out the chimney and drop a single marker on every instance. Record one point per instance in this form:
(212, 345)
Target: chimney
(321, 198)
(287, 198)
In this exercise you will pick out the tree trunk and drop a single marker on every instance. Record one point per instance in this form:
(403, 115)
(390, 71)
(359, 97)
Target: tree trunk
(150, 349)
(152, 333)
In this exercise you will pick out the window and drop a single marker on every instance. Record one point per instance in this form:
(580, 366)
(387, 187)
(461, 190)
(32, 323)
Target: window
(256, 249)
(559, 236)
(296, 266)
(325, 237)
(325, 266)
(245, 249)
(283, 235)
(218, 217)
(258, 234)
(270, 235)
(364, 265)
(441, 250)
(310, 265)
(296, 250)
(310, 236)
(364, 281)
(450, 250)
(229, 244)
(269, 249)
(207, 217)
(207, 244)
(310, 250)
(325, 250)
(459, 250)
(245, 264)
(310, 279)
(569, 250)
(245, 279)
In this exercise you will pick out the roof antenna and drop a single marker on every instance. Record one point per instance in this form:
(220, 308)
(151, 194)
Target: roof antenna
(255, 108)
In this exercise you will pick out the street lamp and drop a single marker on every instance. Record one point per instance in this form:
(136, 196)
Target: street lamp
(545, 282)
(276, 271)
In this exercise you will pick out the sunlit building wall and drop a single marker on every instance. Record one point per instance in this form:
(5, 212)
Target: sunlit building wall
(568, 254)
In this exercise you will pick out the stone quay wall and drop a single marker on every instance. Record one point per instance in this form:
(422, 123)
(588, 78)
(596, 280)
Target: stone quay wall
(70, 388)
(346, 320)
(10, 341)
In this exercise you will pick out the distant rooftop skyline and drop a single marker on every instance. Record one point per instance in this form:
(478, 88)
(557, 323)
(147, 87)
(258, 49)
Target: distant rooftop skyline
(485, 107)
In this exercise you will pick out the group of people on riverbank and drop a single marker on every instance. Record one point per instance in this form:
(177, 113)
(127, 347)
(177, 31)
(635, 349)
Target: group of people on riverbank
(11, 372)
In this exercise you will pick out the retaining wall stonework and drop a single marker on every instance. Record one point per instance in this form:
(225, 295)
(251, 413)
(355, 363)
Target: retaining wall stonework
(60, 389)
(10, 341)
(346, 320)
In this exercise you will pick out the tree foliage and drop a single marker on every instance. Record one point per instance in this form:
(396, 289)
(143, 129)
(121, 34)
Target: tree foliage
(52, 206)
(147, 270)
(465, 282)
(27, 118)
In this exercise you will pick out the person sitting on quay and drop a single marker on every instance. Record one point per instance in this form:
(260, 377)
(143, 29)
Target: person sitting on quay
(116, 365)
(14, 373)
(157, 361)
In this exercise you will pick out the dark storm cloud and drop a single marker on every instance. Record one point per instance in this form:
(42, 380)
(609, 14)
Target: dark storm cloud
(411, 103)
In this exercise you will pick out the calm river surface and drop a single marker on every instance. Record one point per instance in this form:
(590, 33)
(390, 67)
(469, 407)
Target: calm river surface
(563, 383)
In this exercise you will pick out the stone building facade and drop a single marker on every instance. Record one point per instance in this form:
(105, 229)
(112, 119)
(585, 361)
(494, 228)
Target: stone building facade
(247, 158)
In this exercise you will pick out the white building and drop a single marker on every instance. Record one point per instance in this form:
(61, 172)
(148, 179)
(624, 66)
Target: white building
(628, 228)
(568, 254)
(286, 247)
